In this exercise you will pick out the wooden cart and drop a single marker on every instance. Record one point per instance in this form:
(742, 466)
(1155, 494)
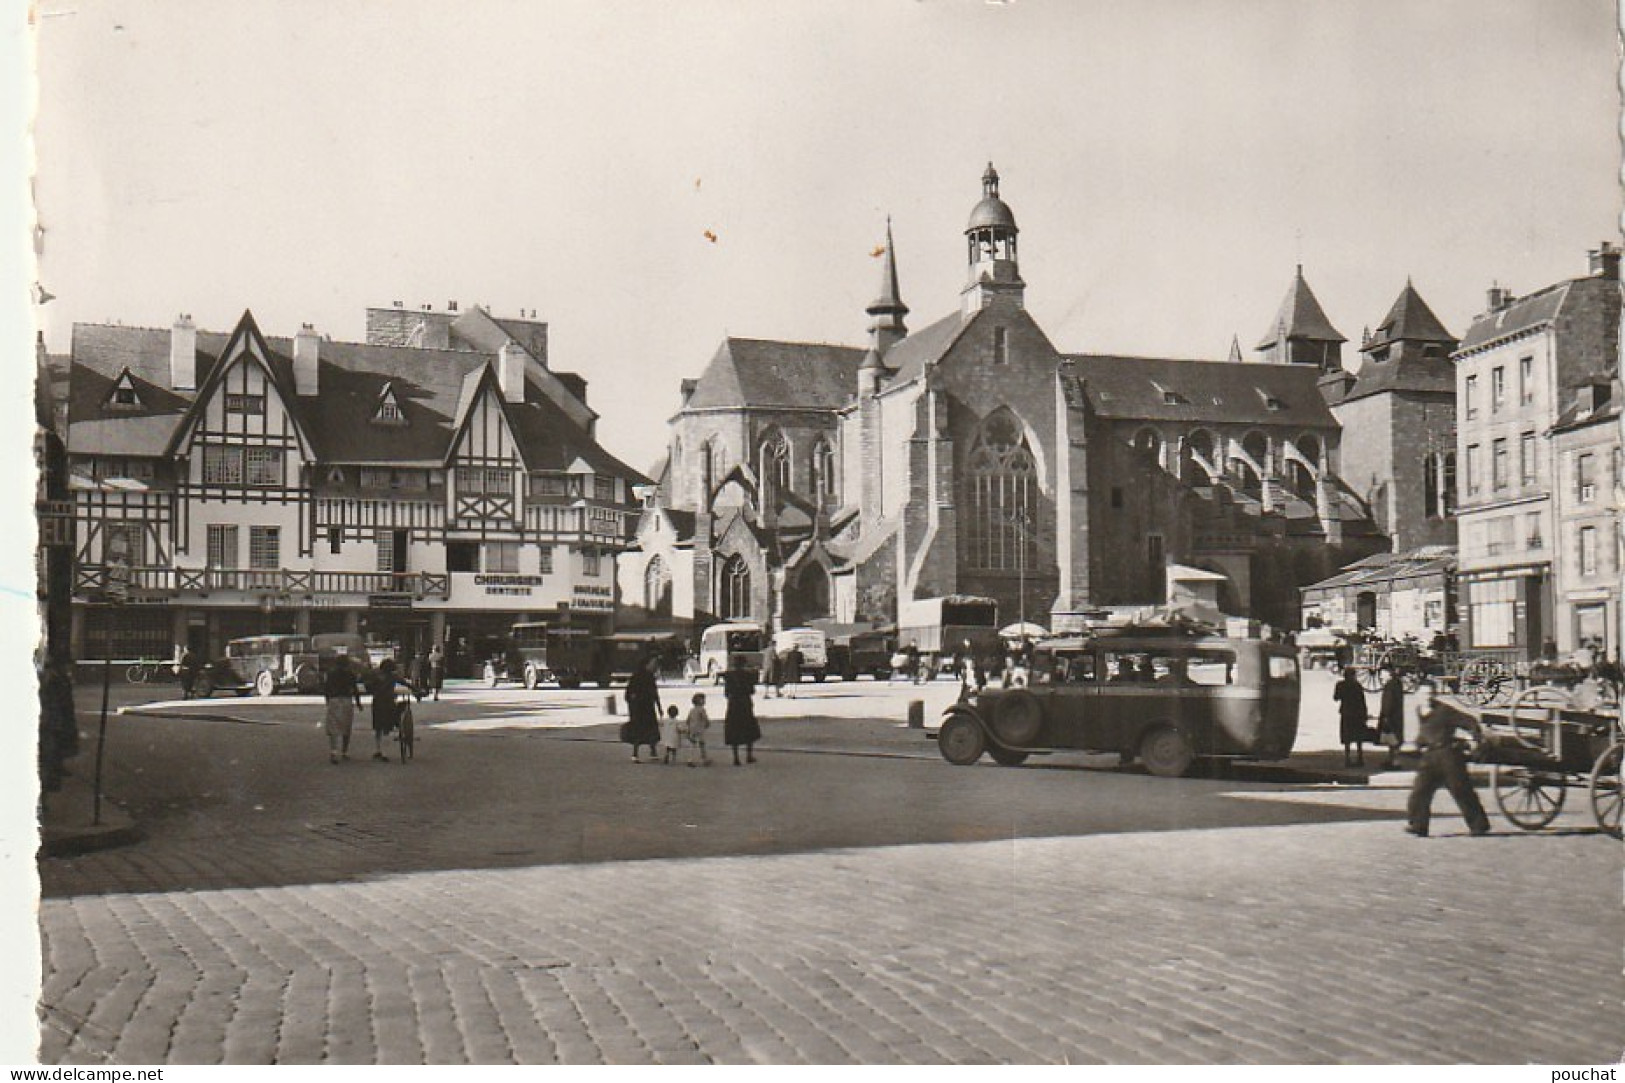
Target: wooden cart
(1548, 741)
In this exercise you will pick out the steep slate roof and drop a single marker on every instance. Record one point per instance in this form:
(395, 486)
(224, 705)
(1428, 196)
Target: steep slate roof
(907, 359)
(431, 386)
(766, 373)
(1523, 314)
(1430, 374)
(1410, 319)
(1300, 316)
(1208, 391)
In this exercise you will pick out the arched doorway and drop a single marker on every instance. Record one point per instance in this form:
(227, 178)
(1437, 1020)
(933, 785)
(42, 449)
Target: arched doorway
(807, 598)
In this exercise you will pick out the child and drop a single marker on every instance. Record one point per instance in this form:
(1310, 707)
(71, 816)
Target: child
(670, 735)
(695, 726)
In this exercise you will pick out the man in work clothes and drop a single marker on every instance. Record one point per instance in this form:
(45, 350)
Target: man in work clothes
(1443, 764)
(343, 696)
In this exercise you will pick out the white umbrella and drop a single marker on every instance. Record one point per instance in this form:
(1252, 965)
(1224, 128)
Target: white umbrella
(1019, 630)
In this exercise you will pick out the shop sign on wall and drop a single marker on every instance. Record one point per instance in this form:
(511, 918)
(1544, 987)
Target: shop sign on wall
(508, 584)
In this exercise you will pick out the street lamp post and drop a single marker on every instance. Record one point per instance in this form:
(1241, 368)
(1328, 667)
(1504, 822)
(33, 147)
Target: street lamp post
(1022, 523)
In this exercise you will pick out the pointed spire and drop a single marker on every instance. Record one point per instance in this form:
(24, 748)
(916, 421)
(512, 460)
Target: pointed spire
(1300, 317)
(1410, 319)
(887, 310)
(1235, 349)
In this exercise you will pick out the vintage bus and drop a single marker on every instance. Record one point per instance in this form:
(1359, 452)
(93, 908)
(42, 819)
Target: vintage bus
(721, 645)
(536, 653)
(1164, 698)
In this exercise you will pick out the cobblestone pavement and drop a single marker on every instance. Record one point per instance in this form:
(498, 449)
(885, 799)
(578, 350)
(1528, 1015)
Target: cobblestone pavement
(1329, 942)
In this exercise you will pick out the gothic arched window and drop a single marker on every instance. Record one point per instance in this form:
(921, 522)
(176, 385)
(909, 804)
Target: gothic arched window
(1003, 484)
(657, 588)
(733, 590)
(774, 460)
(1149, 441)
(823, 472)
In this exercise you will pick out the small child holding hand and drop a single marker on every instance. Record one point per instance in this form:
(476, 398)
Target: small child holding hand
(670, 735)
(694, 728)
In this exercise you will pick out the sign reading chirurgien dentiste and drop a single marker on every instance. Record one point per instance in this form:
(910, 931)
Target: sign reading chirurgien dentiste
(497, 583)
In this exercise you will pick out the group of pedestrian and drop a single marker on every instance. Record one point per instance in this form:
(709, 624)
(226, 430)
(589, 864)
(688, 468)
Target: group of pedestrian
(1354, 729)
(780, 669)
(342, 688)
(1442, 762)
(667, 733)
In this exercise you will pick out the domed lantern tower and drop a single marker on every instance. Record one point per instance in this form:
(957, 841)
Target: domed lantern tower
(990, 240)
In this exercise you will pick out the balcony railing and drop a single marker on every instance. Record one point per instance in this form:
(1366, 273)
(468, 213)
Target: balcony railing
(91, 580)
(589, 522)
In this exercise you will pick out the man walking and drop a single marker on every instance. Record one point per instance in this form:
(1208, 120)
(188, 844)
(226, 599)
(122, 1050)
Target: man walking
(342, 695)
(1443, 764)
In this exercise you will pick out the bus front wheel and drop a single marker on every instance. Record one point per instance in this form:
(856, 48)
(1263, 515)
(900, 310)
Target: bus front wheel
(1166, 753)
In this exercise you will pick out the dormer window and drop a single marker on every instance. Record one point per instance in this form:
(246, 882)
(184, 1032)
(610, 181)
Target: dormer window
(124, 396)
(1170, 397)
(389, 410)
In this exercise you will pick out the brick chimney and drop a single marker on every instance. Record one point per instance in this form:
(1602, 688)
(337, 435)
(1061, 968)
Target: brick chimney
(1498, 297)
(307, 351)
(1605, 261)
(183, 354)
(511, 371)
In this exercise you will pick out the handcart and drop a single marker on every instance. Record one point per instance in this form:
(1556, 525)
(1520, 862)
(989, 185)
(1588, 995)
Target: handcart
(1548, 741)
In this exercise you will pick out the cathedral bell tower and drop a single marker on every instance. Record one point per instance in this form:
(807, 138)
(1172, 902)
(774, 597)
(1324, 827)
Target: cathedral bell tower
(991, 248)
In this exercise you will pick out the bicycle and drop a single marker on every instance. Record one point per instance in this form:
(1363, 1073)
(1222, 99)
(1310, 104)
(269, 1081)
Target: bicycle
(144, 671)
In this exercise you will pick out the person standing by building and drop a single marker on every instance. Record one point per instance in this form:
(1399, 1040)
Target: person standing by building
(739, 725)
(1443, 764)
(643, 711)
(187, 669)
(770, 669)
(437, 669)
(694, 729)
(342, 695)
(1391, 714)
(792, 669)
(1352, 715)
(912, 665)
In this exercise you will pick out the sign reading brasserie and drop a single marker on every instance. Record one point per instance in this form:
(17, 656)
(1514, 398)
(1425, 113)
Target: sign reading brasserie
(508, 584)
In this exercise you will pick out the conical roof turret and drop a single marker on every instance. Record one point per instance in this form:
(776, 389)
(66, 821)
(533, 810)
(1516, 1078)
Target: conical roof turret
(887, 310)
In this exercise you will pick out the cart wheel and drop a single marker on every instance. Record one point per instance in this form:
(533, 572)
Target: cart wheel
(1371, 675)
(1529, 799)
(1605, 793)
(961, 740)
(265, 683)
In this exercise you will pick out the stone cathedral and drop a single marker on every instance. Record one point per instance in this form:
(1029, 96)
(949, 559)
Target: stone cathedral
(970, 455)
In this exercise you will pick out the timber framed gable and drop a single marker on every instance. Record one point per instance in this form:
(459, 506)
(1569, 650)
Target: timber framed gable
(485, 466)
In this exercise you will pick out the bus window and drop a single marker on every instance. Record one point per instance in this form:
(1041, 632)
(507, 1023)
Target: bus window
(1121, 668)
(1211, 668)
(1283, 668)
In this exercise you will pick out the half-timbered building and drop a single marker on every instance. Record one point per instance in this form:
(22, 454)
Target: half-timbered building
(434, 488)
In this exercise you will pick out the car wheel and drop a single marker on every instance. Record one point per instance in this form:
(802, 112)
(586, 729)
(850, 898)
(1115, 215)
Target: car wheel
(1006, 757)
(530, 678)
(818, 676)
(203, 689)
(1018, 718)
(1166, 753)
(265, 683)
(961, 740)
(308, 677)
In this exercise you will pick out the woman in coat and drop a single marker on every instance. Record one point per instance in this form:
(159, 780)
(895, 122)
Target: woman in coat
(1351, 715)
(739, 726)
(386, 711)
(1391, 714)
(643, 711)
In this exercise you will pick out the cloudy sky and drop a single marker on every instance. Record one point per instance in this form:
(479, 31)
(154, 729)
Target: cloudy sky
(1168, 162)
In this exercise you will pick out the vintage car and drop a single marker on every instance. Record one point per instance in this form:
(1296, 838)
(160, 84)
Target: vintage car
(1165, 698)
